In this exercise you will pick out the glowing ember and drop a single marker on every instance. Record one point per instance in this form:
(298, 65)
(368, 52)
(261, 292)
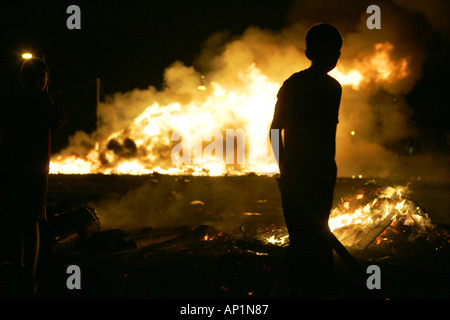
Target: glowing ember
(207, 238)
(279, 240)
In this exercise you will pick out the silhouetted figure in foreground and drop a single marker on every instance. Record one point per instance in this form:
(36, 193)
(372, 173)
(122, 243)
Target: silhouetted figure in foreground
(26, 121)
(307, 111)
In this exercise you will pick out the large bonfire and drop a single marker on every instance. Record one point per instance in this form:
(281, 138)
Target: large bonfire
(218, 123)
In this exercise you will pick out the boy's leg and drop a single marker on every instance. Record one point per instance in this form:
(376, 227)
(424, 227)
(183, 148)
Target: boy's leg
(309, 259)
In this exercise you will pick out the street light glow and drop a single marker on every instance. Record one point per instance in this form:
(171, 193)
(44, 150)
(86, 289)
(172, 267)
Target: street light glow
(27, 56)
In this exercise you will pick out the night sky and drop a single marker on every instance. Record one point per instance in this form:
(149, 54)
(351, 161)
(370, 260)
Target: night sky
(128, 44)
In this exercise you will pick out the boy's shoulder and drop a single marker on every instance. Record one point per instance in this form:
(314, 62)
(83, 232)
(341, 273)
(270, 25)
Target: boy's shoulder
(334, 82)
(308, 78)
(298, 76)
(294, 80)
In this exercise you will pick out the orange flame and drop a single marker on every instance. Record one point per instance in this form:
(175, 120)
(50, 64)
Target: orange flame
(147, 143)
(357, 222)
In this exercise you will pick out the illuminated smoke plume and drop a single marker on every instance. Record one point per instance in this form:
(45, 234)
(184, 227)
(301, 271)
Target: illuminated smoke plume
(236, 89)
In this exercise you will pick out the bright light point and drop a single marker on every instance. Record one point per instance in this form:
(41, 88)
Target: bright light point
(352, 133)
(201, 88)
(27, 56)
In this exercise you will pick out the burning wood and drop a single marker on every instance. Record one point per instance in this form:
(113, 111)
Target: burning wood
(374, 233)
(240, 98)
(360, 219)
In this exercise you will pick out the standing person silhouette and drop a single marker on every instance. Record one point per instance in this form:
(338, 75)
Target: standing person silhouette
(306, 113)
(26, 121)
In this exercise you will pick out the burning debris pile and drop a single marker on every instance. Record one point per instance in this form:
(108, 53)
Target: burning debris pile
(374, 215)
(363, 218)
(145, 131)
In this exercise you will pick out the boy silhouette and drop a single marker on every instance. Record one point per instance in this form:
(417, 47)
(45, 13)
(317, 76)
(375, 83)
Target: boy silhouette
(306, 113)
(26, 121)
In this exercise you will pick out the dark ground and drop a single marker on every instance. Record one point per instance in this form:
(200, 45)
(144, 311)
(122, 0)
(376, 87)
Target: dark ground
(169, 258)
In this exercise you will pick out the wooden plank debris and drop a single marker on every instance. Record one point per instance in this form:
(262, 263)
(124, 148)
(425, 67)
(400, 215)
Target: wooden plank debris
(374, 233)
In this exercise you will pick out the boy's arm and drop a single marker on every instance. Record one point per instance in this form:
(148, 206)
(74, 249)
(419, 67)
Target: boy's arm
(336, 94)
(278, 123)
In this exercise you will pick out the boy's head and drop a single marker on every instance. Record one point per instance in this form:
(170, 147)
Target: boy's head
(323, 46)
(34, 74)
